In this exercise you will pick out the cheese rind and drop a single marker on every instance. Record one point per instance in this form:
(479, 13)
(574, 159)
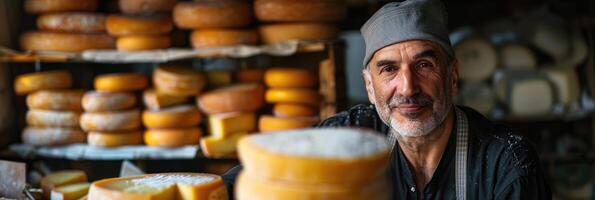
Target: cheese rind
(182, 116)
(56, 100)
(143, 42)
(52, 136)
(289, 78)
(293, 110)
(178, 81)
(154, 100)
(211, 38)
(120, 82)
(61, 178)
(51, 118)
(172, 137)
(114, 139)
(300, 11)
(293, 95)
(54, 6)
(31, 82)
(65, 42)
(215, 147)
(225, 124)
(98, 101)
(70, 192)
(235, 98)
(111, 121)
(122, 25)
(72, 22)
(212, 14)
(284, 32)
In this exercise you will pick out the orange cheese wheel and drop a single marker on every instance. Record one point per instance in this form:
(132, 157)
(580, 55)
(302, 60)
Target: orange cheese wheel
(293, 110)
(51, 118)
(97, 101)
(236, 98)
(114, 139)
(212, 14)
(56, 100)
(52, 136)
(72, 22)
(111, 121)
(120, 82)
(31, 82)
(143, 42)
(172, 137)
(146, 6)
(275, 33)
(65, 42)
(182, 116)
(122, 25)
(268, 123)
(178, 81)
(209, 38)
(52, 6)
(155, 101)
(289, 78)
(293, 95)
(300, 10)
(253, 75)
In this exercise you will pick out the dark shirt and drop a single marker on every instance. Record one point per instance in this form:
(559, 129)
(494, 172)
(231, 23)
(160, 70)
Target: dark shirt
(500, 165)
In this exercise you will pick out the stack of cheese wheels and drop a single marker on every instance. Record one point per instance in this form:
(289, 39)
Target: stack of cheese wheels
(110, 115)
(140, 32)
(54, 110)
(173, 126)
(299, 20)
(314, 164)
(67, 26)
(216, 23)
(68, 184)
(295, 100)
(231, 113)
(172, 186)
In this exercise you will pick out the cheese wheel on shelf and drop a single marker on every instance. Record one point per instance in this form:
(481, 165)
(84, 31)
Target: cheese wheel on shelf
(289, 78)
(160, 186)
(55, 100)
(52, 136)
(143, 42)
(276, 33)
(51, 118)
(98, 101)
(249, 75)
(114, 139)
(217, 147)
(566, 82)
(31, 82)
(300, 11)
(236, 98)
(146, 6)
(477, 59)
(61, 178)
(527, 93)
(54, 6)
(178, 81)
(212, 14)
(225, 124)
(70, 192)
(155, 101)
(65, 42)
(218, 78)
(120, 82)
(517, 56)
(293, 110)
(209, 38)
(123, 25)
(111, 121)
(293, 95)
(268, 123)
(182, 116)
(72, 22)
(174, 137)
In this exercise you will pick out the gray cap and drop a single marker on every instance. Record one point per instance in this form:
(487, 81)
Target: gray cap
(402, 21)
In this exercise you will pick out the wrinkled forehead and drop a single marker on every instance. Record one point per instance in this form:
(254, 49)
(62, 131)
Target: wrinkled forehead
(408, 51)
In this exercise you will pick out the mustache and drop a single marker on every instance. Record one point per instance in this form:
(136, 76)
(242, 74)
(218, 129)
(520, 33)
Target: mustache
(417, 99)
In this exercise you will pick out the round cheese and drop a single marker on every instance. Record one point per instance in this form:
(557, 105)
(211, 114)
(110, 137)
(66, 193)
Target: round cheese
(293, 110)
(114, 139)
(50, 118)
(300, 10)
(146, 6)
(52, 136)
(53, 6)
(120, 82)
(122, 25)
(155, 101)
(31, 82)
(65, 42)
(293, 95)
(212, 14)
(111, 121)
(72, 22)
(55, 100)
(209, 38)
(477, 59)
(97, 101)
(236, 98)
(182, 116)
(252, 75)
(172, 137)
(143, 42)
(527, 93)
(178, 81)
(275, 33)
(61, 178)
(289, 78)
(517, 56)
(478, 96)
(566, 82)
(268, 123)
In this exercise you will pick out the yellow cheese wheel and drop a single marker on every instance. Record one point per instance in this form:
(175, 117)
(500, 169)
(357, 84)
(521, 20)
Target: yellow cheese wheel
(293, 95)
(172, 137)
(114, 139)
(65, 42)
(225, 124)
(73, 191)
(31, 82)
(218, 78)
(182, 116)
(236, 98)
(155, 101)
(143, 42)
(146, 6)
(275, 33)
(123, 25)
(209, 38)
(55, 100)
(289, 78)
(52, 136)
(111, 121)
(293, 110)
(120, 82)
(178, 80)
(268, 123)
(252, 75)
(212, 14)
(72, 22)
(300, 10)
(216, 147)
(61, 178)
(98, 101)
(187, 186)
(53, 6)
(51, 118)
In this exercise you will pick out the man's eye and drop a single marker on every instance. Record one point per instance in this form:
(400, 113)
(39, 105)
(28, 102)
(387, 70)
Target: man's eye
(424, 65)
(387, 69)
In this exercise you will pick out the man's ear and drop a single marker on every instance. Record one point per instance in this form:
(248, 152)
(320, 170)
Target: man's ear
(369, 86)
(454, 77)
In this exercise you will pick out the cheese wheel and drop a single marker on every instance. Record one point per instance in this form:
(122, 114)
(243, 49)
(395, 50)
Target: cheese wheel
(55, 100)
(527, 93)
(70, 192)
(114, 139)
(289, 78)
(477, 59)
(146, 6)
(52, 6)
(212, 14)
(122, 25)
(300, 10)
(210, 38)
(478, 96)
(293, 110)
(566, 83)
(218, 78)
(268, 123)
(143, 42)
(293, 95)
(155, 101)
(216, 147)
(111, 121)
(50, 118)
(65, 42)
(31, 82)
(120, 82)
(191, 186)
(182, 116)
(316, 156)
(72, 22)
(225, 124)
(172, 137)
(61, 178)
(97, 101)
(517, 56)
(276, 33)
(249, 75)
(52, 136)
(178, 81)
(236, 98)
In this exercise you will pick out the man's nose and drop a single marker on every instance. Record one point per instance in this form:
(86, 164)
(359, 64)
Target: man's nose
(407, 83)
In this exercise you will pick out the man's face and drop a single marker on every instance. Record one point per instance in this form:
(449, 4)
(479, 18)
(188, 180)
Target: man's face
(412, 86)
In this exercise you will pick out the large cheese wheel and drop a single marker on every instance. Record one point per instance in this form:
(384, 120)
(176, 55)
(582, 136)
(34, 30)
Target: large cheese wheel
(477, 59)
(225, 124)
(178, 81)
(70, 192)
(252, 75)
(51, 118)
(172, 137)
(275, 33)
(268, 123)
(209, 38)
(120, 82)
(97, 101)
(72, 22)
(143, 42)
(212, 14)
(114, 139)
(517, 56)
(527, 93)
(121, 25)
(52, 6)
(293, 110)
(236, 98)
(216, 147)
(155, 101)
(52, 136)
(289, 77)
(300, 10)
(566, 82)
(61, 178)
(31, 82)
(316, 156)
(160, 186)
(111, 121)
(182, 116)
(146, 6)
(293, 95)
(65, 42)
(55, 100)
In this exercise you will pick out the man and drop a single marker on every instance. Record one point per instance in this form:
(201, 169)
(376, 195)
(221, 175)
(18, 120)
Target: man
(440, 151)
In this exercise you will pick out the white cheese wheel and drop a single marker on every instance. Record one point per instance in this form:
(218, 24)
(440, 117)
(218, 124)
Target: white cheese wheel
(56, 100)
(52, 136)
(51, 118)
(98, 101)
(517, 56)
(76, 22)
(111, 121)
(477, 59)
